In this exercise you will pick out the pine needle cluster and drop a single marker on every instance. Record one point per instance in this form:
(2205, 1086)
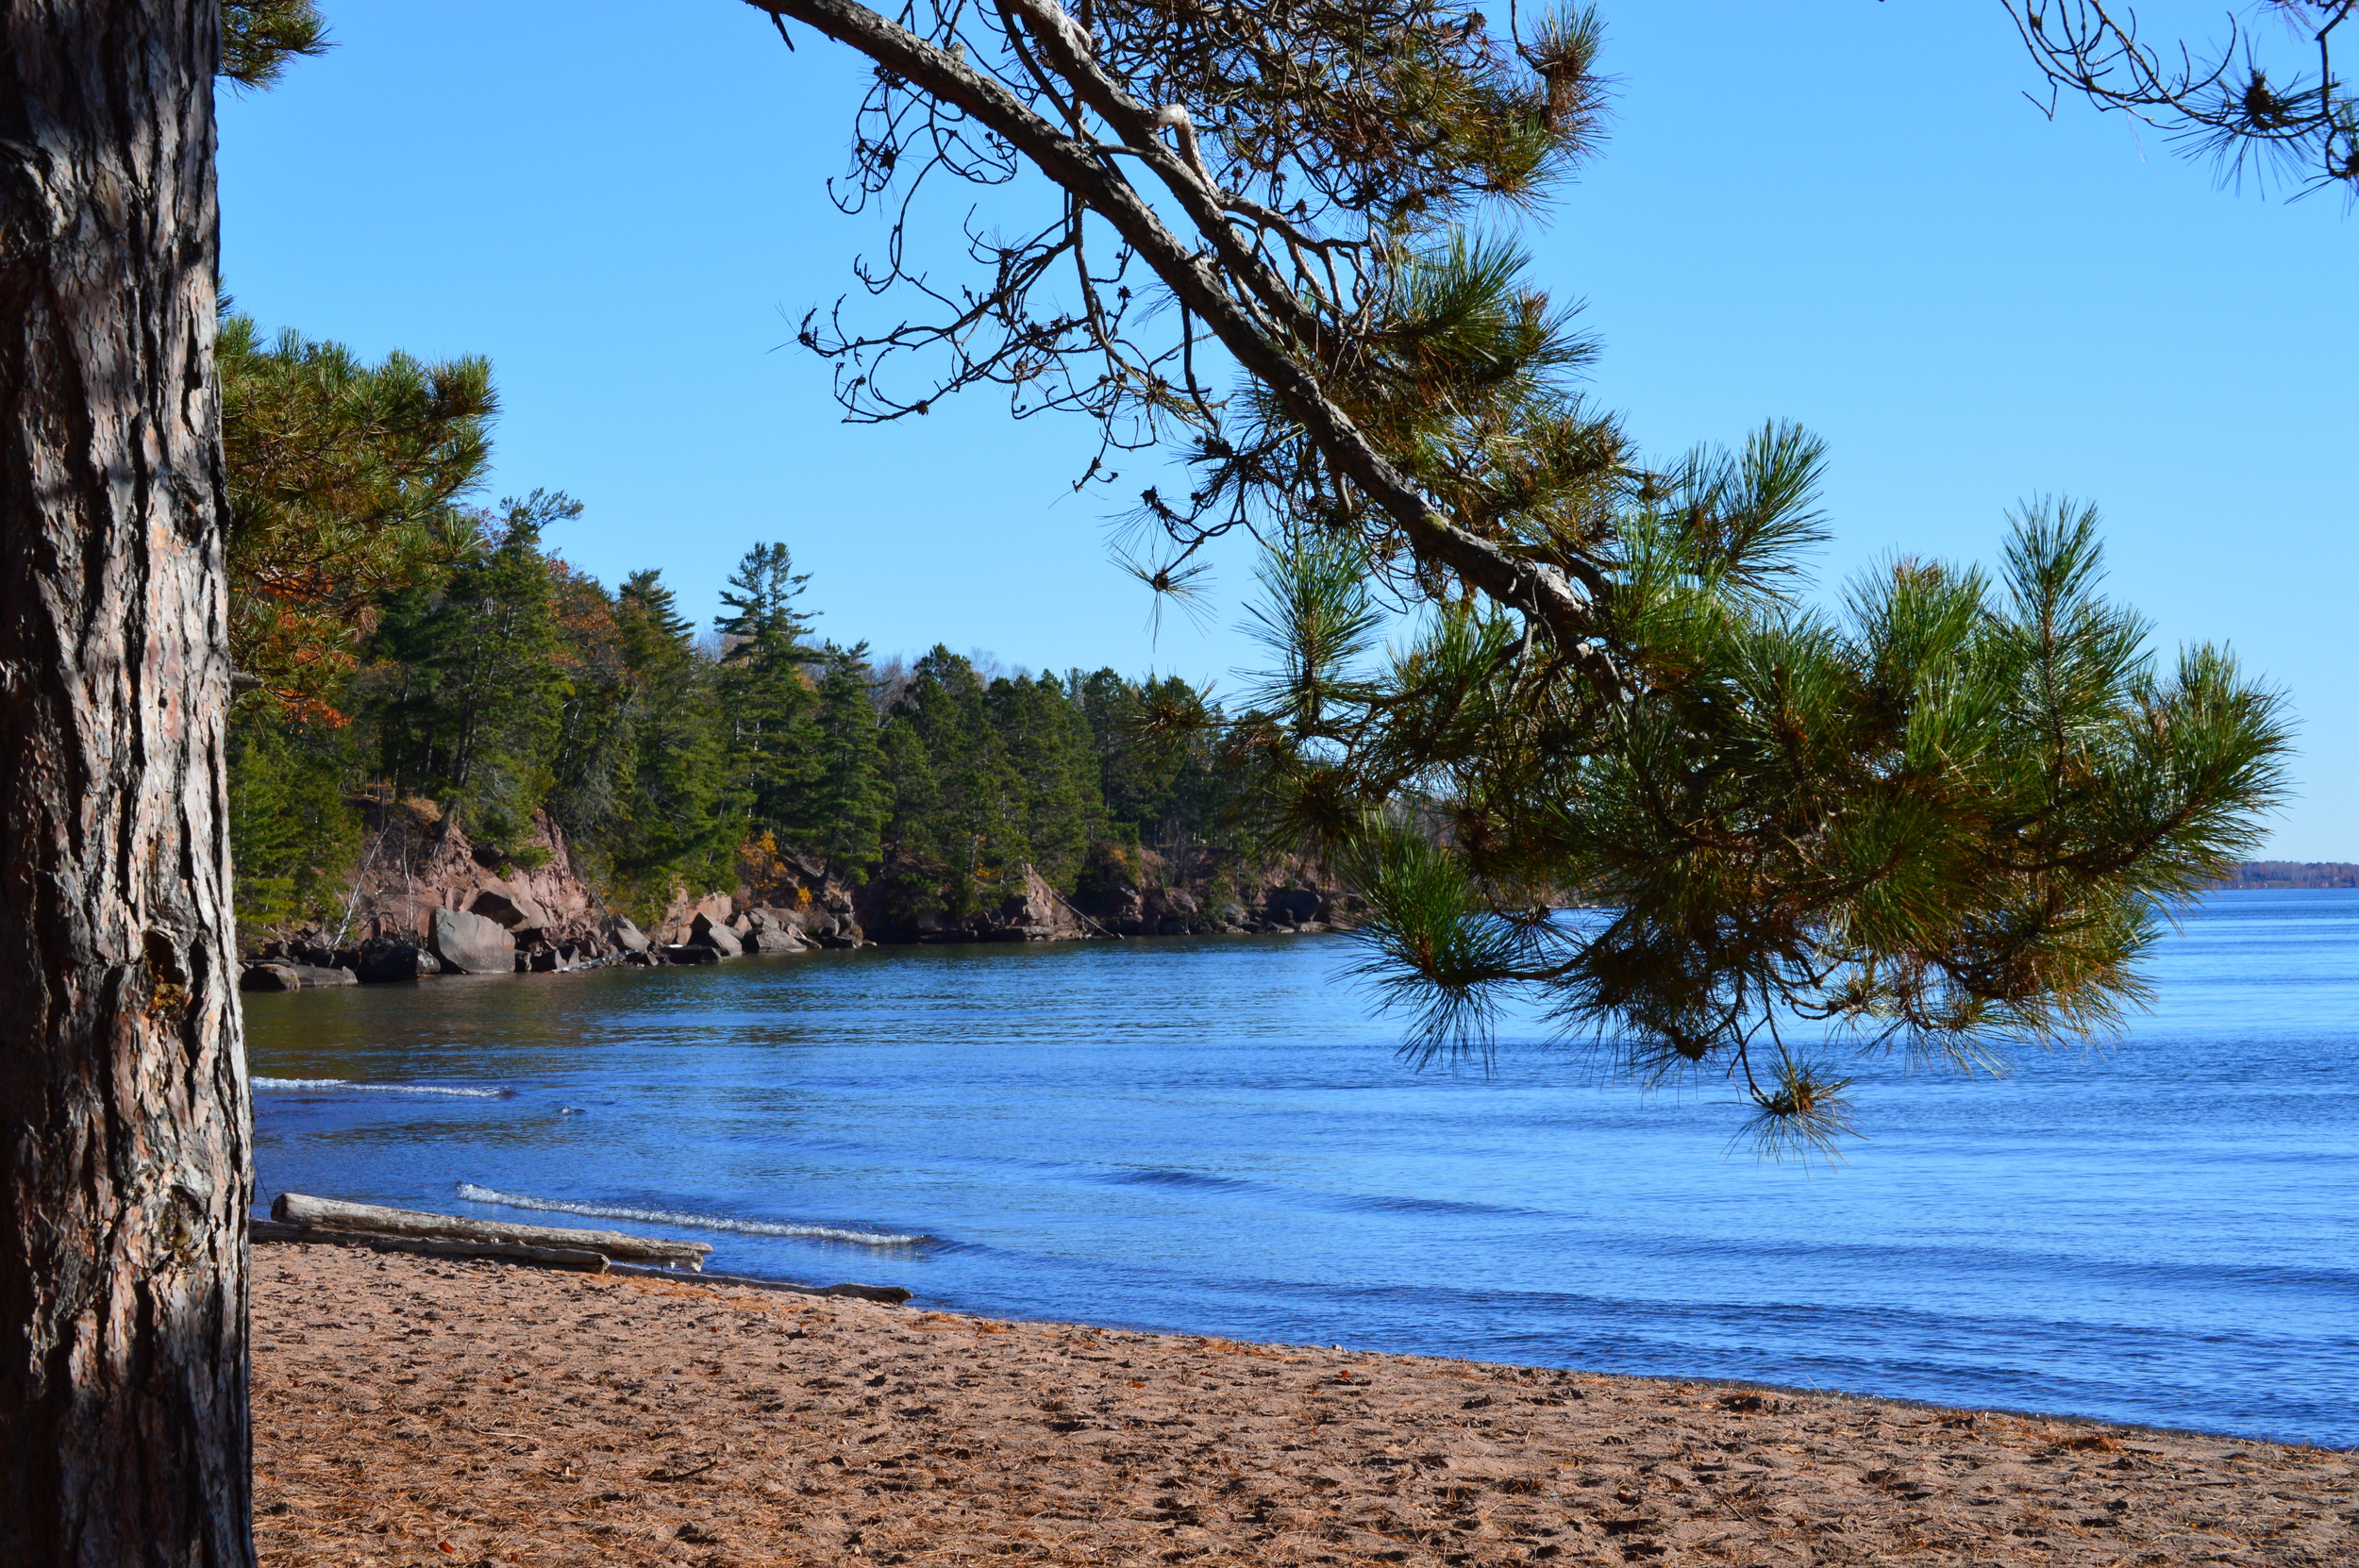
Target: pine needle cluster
(346, 483)
(1945, 819)
(260, 37)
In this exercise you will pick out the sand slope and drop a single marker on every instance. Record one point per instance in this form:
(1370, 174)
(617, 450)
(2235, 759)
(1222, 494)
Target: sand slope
(409, 1412)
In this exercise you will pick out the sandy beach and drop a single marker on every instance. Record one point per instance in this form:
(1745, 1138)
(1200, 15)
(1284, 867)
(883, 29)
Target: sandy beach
(410, 1410)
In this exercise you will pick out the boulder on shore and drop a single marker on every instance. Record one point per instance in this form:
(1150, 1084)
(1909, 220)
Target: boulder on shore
(292, 977)
(513, 910)
(693, 952)
(1293, 904)
(711, 933)
(378, 962)
(472, 945)
(630, 938)
(771, 932)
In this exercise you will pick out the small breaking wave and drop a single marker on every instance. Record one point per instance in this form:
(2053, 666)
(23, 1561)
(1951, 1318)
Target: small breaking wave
(470, 1192)
(346, 1086)
(1154, 1177)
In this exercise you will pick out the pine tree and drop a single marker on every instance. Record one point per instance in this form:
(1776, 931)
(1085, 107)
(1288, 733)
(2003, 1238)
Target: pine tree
(1110, 706)
(641, 763)
(344, 480)
(1052, 754)
(765, 692)
(683, 818)
(915, 860)
(591, 753)
(292, 834)
(125, 1418)
(970, 831)
(842, 813)
(470, 709)
(258, 36)
(2267, 100)
(1154, 746)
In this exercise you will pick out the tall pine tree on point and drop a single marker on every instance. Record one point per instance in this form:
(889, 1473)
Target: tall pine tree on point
(842, 813)
(1053, 754)
(767, 697)
(969, 832)
(473, 708)
(682, 819)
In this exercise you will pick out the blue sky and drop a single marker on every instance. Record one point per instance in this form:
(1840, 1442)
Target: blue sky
(1834, 212)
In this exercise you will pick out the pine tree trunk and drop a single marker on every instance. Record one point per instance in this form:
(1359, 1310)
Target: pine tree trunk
(124, 1123)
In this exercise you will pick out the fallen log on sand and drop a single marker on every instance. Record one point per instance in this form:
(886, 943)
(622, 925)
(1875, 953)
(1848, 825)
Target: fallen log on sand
(892, 1296)
(295, 1209)
(554, 1258)
(297, 1217)
(516, 1252)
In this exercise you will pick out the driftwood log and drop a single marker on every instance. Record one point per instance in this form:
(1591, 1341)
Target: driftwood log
(892, 1296)
(554, 1258)
(517, 1252)
(295, 1209)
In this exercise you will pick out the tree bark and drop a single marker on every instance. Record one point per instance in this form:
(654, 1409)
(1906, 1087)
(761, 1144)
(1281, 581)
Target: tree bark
(123, 1116)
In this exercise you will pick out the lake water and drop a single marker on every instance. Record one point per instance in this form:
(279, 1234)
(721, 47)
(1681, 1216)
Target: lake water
(1214, 1136)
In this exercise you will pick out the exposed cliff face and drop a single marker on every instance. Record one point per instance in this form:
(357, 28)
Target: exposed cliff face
(424, 899)
(417, 865)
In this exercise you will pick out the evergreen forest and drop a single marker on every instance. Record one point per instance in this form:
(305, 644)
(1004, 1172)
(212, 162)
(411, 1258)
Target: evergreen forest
(395, 639)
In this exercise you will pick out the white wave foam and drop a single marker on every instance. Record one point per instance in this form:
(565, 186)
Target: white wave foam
(470, 1192)
(345, 1086)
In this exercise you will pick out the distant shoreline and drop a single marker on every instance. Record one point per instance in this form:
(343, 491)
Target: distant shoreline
(2257, 875)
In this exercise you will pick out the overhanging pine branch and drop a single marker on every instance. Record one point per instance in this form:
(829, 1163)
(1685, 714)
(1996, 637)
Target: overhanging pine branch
(1544, 591)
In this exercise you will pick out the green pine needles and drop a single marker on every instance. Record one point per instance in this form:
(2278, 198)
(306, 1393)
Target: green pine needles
(1946, 820)
(260, 37)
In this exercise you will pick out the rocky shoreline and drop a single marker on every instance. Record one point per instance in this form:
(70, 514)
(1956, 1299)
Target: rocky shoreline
(429, 902)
